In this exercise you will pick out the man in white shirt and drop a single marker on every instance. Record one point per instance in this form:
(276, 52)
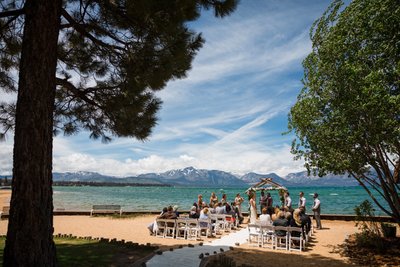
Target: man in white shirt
(288, 201)
(317, 211)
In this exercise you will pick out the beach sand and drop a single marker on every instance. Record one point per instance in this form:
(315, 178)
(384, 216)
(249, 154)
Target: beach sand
(319, 252)
(134, 229)
(5, 196)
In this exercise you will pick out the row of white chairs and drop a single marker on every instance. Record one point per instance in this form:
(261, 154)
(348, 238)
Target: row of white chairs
(223, 222)
(277, 237)
(187, 228)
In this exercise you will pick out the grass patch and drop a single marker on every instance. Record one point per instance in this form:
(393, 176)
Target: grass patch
(81, 252)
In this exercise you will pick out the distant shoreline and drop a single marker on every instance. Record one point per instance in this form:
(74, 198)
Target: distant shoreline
(110, 184)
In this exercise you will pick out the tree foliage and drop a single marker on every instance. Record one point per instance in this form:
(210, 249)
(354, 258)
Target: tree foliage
(347, 116)
(82, 64)
(112, 57)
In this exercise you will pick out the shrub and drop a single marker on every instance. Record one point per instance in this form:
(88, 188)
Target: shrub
(370, 235)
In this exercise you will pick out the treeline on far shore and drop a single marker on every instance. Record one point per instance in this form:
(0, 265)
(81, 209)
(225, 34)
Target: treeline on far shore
(80, 183)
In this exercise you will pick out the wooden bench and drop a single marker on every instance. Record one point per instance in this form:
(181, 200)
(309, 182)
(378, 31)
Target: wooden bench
(5, 211)
(106, 209)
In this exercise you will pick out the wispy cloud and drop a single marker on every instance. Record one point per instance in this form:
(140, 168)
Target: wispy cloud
(231, 110)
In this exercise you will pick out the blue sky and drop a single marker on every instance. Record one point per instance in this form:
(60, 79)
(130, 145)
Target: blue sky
(230, 111)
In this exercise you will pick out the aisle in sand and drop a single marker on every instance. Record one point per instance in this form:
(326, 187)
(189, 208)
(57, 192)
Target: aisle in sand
(189, 256)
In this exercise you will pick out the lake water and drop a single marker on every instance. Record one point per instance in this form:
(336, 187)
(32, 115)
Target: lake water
(334, 200)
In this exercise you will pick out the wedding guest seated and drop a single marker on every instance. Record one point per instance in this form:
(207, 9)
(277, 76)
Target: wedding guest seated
(175, 209)
(151, 226)
(193, 211)
(281, 221)
(288, 214)
(220, 209)
(230, 211)
(296, 222)
(170, 214)
(211, 209)
(265, 218)
(204, 213)
(305, 219)
(275, 215)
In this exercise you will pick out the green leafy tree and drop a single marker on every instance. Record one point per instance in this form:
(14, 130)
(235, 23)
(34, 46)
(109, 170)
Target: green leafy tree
(347, 116)
(82, 64)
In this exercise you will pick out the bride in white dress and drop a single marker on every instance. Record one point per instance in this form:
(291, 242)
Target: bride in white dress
(253, 208)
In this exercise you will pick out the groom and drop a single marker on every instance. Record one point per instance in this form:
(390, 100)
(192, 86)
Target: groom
(317, 210)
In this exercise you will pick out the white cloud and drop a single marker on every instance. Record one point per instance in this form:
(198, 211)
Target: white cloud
(278, 161)
(229, 112)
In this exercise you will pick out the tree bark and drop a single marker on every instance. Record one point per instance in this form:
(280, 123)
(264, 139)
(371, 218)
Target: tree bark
(30, 228)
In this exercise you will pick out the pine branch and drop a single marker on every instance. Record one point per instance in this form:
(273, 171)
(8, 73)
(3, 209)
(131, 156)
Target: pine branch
(83, 13)
(8, 22)
(82, 30)
(14, 13)
(76, 92)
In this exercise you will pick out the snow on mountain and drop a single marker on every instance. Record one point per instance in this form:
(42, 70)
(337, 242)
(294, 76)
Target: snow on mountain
(207, 178)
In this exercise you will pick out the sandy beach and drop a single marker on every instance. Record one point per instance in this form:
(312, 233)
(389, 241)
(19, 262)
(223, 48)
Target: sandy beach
(134, 229)
(320, 251)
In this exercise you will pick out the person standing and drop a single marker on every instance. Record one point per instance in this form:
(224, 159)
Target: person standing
(200, 202)
(317, 210)
(269, 200)
(253, 207)
(213, 199)
(223, 199)
(302, 201)
(288, 201)
(238, 202)
(263, 201)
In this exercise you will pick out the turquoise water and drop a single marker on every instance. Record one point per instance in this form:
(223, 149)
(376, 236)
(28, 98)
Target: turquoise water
(334, 200)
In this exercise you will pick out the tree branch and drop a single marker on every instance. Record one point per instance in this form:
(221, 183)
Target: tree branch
(10, 13)
(76, 92)
(82, 30)
(9, 22)
(396, 172)
(370, 194)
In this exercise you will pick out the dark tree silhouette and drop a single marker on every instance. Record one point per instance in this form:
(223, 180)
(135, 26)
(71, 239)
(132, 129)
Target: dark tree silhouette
(82, 64)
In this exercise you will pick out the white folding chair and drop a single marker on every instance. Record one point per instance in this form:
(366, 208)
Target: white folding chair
(181, 225)
(219, 223)
(296, 238)
(160, 230)
(192, 229)
(228, 219)
(205, 226)
(268, 236)
(170, 227)
(281, 234)
(255, 234)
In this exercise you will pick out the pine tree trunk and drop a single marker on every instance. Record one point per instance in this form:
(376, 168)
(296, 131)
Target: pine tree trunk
(30, 229)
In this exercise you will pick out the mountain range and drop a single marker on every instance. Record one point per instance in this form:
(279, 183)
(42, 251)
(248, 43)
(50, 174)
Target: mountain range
(208, 178)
